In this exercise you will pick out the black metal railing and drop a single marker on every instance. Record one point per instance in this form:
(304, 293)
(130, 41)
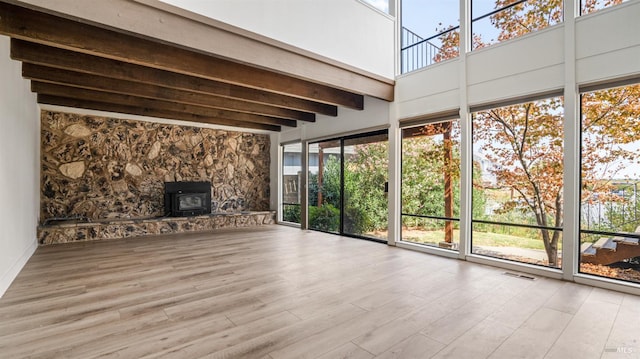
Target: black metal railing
(521, 225)
(506, 7)
(439, 218)
(612, 234)
(417, 52)
(409, 37)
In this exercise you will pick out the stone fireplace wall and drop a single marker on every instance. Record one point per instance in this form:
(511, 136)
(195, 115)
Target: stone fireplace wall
(107, 168)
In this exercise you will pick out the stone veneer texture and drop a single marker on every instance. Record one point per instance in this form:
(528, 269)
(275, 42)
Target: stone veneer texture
(104, 168)
(118, 228)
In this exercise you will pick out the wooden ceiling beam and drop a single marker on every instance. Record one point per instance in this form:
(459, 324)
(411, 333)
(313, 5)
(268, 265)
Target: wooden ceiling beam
(128, 100)
(36, 26)
(141, 111)
(99, 83)
(65, 59)
(195, 31)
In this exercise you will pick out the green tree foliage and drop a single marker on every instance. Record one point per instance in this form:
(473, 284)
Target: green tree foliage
(423, 178)
(366, 171)
(325, 216)
(291, 214)
(479, 198)
(331, 181)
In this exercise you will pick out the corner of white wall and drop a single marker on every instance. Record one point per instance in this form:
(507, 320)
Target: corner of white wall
(14, 268)
(19, 168)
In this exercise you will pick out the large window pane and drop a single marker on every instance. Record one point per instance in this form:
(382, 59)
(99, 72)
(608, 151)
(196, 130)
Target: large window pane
(521, 244)
(347, 182)
(589, 6)
(610, 203)
(365, 175)
(495, 21)
(382, 5)
(291, 173)
(518, 181)
(431, 231)
(430, 32)
(431, 184)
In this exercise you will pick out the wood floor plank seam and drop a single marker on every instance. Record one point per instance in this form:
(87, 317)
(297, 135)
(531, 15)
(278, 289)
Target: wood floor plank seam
(280, 292)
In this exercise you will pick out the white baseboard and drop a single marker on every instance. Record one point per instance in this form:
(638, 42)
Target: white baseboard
(7, 278)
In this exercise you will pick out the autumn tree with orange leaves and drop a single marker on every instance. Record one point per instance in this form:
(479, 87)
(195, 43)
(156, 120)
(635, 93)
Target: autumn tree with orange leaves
(525, 142)
(610, 123)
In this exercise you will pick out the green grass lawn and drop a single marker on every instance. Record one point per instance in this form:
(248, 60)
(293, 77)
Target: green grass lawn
(479, 239)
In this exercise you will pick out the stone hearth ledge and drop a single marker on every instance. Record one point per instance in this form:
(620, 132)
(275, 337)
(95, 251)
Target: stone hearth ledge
(127, 228)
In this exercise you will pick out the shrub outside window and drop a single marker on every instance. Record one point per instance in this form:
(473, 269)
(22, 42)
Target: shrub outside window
(431, 184)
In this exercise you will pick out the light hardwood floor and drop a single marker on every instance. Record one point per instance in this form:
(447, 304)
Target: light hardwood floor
(280, 292)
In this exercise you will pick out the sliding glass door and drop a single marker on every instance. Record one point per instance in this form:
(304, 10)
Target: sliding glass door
(291, 173)
(347, 181)
(325, 191)
(365, 175)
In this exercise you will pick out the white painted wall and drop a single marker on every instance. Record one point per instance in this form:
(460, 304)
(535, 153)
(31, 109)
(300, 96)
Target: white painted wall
(348, 31)
(19, 174)
(527, 65)
(607, 44)
(434, 89)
